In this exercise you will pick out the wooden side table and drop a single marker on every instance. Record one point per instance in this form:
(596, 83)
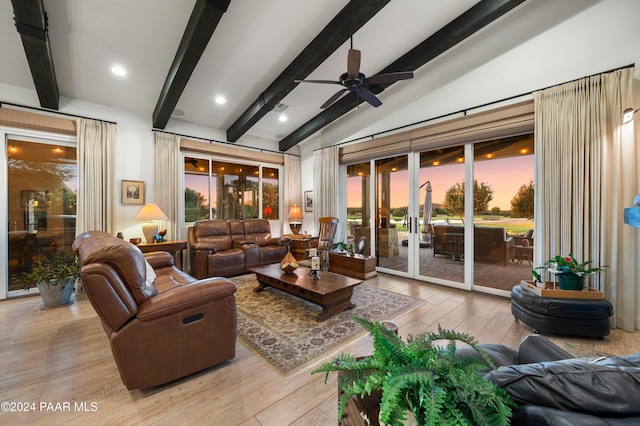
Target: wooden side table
(172, 246)
(299, 246)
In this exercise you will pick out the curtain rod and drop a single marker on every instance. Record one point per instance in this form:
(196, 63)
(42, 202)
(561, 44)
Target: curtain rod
(53, 111)
(464, 111)
(221, 142)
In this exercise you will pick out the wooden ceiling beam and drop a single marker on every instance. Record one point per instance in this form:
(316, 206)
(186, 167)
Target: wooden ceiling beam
(351, 18)
(465, 25)
(203, 21)
(31, 23)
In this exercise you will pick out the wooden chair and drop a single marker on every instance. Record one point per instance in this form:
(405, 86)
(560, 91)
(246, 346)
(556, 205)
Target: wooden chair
(324, 240)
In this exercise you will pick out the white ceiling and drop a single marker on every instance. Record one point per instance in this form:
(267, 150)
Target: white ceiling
(253, 43)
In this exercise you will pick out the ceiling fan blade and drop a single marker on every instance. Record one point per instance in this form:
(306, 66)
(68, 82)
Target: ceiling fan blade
(317, 81)
(368, 96)
(353, 62)
(388, 78)
(334, 98)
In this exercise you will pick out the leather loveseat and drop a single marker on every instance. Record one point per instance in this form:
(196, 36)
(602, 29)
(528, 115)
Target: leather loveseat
(162, 323)
(490, 244)
(221, 247)
(552, 388)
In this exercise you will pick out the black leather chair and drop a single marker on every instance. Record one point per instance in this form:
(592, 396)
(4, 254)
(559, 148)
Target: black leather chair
(551, 388)
(573, 317)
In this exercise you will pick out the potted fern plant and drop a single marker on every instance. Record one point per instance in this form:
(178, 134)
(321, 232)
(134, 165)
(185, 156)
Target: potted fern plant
(421, 379)
(55, 276)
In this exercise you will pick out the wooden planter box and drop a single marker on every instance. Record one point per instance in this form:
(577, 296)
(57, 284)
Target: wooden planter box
(357, 266)
(549, 291)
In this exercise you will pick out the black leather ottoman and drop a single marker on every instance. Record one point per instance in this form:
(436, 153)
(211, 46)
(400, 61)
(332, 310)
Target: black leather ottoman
(574, 317)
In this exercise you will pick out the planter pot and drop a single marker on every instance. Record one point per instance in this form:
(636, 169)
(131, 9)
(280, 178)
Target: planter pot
(53, 296)
(570, 281)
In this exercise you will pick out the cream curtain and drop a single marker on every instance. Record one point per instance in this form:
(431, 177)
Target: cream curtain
(96, 154)
(586, 173)
(165, 179)
(292, 189)
(325, 183)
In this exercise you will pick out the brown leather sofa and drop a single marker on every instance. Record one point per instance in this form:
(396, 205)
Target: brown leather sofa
(160, 329)
(221, 247)
(490, 244)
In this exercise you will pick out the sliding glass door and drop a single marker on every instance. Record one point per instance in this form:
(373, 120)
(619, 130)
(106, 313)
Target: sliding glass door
(40, 194)
(427, 223)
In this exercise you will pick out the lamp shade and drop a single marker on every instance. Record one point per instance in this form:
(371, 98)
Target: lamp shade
(295, 213)
(149, 213)
(295, 218)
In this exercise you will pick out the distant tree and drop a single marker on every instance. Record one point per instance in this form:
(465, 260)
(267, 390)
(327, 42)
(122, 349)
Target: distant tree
(398, 212)
(454, 198)
(496, 210)
(522, 203)
(195, 206)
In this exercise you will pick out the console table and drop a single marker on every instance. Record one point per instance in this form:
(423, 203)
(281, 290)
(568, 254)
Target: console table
(172, 246)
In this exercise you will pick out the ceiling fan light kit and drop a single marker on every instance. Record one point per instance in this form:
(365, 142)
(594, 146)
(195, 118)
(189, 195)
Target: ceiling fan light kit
(356, 82)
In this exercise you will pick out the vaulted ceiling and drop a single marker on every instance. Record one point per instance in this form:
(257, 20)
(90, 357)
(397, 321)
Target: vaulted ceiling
(181, 55)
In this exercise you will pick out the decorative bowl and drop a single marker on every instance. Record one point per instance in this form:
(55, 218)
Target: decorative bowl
(135, 241)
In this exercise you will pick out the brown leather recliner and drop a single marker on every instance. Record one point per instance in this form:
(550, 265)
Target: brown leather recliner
(221, 247)
(160, 329)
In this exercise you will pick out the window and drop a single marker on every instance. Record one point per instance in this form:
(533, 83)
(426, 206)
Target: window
(216, 189)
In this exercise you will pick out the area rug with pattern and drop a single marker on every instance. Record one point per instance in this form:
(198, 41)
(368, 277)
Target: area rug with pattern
(281, 328)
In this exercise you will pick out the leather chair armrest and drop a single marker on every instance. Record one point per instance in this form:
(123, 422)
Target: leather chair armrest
(242, 243)
(159, 259)
(204, 248)
(276, 241)
(284, 240)
(185, 297)
(537, 348)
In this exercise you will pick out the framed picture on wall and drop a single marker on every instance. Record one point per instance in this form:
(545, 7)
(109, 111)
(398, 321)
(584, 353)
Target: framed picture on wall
(132, 192)
(308, 201)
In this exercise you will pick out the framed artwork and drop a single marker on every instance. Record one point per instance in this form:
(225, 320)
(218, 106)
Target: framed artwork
(132, 192)
(308, 201)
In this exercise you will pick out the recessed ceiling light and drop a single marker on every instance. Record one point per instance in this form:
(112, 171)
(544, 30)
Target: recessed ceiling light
(177, 112)
(282, 117)
(119, 71)
(279, 136)
(221, 100)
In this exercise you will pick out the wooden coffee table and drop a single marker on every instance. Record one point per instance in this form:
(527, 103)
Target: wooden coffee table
(332, 291)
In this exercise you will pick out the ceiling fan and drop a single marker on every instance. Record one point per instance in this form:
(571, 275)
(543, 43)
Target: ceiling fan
(355, 81)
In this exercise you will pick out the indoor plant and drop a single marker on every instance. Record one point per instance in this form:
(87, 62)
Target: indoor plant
(423, 378)
(343, 247)
(55, 276)
(570, 272)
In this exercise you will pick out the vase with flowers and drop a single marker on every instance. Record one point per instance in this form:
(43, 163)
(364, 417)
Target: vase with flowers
(570, 272)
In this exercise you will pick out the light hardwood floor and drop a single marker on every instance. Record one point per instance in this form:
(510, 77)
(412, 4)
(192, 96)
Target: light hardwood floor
(61, 356)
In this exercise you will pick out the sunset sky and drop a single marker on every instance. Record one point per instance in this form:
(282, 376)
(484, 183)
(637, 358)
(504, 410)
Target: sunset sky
(504, 176)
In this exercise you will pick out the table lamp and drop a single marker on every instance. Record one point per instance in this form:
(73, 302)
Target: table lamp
(149, 213)
(295, 218)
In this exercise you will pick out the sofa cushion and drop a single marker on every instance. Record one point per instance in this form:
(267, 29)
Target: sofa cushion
(213, 233)
(605, 388)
